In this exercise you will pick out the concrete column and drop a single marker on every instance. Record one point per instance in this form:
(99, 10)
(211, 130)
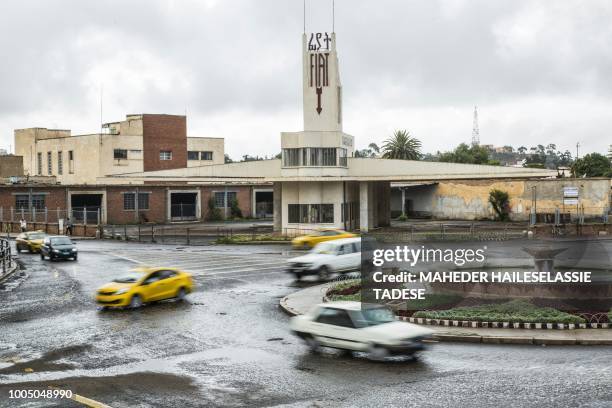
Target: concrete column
(365, 209)
(383, 201)
(278, 206)
(404, 201)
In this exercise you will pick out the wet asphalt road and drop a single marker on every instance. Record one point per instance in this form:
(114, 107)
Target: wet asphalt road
(228, 345)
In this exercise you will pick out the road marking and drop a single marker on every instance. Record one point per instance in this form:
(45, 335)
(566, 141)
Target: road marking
(84, 400)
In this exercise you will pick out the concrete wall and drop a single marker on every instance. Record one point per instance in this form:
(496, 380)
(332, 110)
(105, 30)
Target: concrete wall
(469, 199)
(11, 165)
(215, 145)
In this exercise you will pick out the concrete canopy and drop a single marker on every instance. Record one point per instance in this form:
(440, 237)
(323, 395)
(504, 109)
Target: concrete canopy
(359, 169)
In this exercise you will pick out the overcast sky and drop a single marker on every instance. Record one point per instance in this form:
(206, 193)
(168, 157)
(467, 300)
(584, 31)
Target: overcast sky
(539, 71)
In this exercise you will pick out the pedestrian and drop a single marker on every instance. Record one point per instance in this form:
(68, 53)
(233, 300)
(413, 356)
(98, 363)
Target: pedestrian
(68, 226)
(23, 225)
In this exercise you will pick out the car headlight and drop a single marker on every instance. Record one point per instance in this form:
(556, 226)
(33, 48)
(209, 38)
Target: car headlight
(121, 291)
(73, 249)
(55, 250)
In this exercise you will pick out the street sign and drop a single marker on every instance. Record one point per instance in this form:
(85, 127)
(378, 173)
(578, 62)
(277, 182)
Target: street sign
(570, 192)
(570, 201)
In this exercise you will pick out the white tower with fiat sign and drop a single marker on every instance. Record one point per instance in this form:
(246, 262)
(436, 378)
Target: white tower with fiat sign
(322, 148)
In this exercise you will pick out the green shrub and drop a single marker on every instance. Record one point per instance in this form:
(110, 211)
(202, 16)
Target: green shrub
(214, 213)
(235, 210)
(515, 311)
(402, 217)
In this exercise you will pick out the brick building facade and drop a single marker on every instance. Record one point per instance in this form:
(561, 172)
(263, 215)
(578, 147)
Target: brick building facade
(120, 204)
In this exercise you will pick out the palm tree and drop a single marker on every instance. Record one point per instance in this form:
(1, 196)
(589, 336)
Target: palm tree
(401, 146)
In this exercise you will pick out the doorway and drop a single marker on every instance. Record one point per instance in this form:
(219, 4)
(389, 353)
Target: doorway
(184, 206)
(86, 208)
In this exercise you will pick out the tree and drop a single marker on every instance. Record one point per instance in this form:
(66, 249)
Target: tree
(472, 154)
(501, 204)
(228, 159)
(372, 151)
(592, 165)
(247, 158)
(401, 146)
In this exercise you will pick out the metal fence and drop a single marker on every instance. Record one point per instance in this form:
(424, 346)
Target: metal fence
(181, 235)
(78, 215)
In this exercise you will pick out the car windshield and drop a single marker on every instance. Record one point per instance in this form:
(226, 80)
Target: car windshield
(131, 277)
(377, 315)
(36, 236)
(324, 248)
(61, 241)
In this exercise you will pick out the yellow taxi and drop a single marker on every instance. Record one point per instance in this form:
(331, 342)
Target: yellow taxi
(144, 285)
(310, 240)
(30, 241)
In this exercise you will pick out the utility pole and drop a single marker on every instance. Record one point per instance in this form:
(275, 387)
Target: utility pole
(577, 147)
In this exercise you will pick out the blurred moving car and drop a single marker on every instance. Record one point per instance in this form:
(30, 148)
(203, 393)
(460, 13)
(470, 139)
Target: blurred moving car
(342, 255)
(373, 329)
(30, 241)
(144, 285)
(310, 240)
(58, 247)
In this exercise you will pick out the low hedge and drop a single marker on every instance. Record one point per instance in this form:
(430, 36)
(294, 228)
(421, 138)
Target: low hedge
(515, 311)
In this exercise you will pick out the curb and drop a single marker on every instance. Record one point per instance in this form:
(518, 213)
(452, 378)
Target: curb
(10, 272)
(286, 308)
(504, 325)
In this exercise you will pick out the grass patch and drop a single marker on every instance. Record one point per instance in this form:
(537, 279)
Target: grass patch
(346, 290)
(515, 311)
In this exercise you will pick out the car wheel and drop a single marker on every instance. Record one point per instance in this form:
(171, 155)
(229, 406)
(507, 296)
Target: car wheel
(180, 296)
(313, 344)
(135, 302)
(75, 257)
(377, 353)
(323, 273)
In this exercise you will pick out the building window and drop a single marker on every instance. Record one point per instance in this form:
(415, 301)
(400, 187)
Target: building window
(312, 156)
(143, 201)
(120, 154)
(231, 197)
(193, 155)
(49, 163)
(291, 157)
(165, 155)
(39, 164)
(206, 155)
(311, 213)
(129, 201)
(38, 201)
(70, 162)
(220, 198)
(60, 163)
(22, 201)
(342, 161)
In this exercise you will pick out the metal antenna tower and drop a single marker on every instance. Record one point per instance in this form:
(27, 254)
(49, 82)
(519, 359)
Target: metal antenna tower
(475, 131)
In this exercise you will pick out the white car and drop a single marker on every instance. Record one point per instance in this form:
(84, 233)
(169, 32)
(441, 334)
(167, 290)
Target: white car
(340, 255)
(348, 326)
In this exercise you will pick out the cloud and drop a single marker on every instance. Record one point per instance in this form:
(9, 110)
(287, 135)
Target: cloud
(538, 70)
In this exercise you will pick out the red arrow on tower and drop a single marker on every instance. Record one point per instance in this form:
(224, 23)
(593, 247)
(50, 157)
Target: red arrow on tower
(319, 92)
